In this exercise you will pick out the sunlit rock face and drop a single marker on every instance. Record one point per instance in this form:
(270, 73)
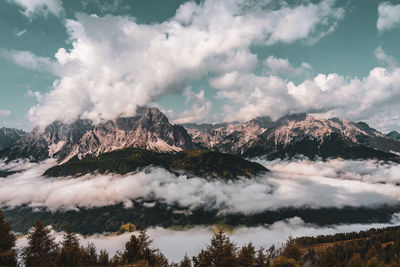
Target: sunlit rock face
(289, 136)
(304, 134)
(228, 137)
(149, 129)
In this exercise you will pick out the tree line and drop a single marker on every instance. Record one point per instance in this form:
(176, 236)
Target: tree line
(371, 248)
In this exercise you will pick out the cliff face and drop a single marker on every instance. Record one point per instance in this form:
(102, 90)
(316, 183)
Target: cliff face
(228, 137)
(289, 136)
(9, 136)
(149, 129)
(303, 134)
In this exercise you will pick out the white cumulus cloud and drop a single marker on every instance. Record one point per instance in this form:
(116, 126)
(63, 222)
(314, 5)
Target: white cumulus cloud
(371, 98)
(283, 66)
(116, 64)
(388, 16)
(200, 110)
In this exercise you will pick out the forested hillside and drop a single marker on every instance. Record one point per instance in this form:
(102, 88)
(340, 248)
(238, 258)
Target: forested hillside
(203, 163)
(375, 247)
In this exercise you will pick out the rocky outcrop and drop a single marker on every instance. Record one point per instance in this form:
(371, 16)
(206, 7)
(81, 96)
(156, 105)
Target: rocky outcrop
(56, 140)
(289, 136)
(302, 134)
(394, 135)
(227, 137)
(8, 136)
(149, 129)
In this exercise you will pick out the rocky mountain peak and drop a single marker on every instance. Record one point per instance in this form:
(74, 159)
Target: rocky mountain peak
(394, 135)
(311, 136)
(8, 136)
(149, 129)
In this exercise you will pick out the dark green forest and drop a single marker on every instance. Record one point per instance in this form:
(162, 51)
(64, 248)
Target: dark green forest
(375, 247)
(203, 163)
(110, 218)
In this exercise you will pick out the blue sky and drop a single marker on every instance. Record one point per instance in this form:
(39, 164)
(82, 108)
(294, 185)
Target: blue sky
(204, 61)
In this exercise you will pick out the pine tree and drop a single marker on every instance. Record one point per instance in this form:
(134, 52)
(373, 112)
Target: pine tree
(41, 250)
(262, 260)
(204, 259)
(186, 262)
(291, 250)
(247, 256)
(8, 256)
(70, 254)
(104, 258)
(220, 253)
(138, 249)
(89, 255)
(158, 259)
(223, 251)
(356, 261)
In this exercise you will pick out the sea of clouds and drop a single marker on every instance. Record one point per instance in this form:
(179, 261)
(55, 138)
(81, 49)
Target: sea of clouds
(316, 184)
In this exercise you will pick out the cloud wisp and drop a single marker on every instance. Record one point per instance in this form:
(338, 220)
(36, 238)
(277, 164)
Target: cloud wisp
(32, 8)
(4, 113)
(174, 244)
(31, 61)
(334, 183)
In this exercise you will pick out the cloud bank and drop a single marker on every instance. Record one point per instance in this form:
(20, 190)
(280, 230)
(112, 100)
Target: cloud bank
(333, 183)
(175, 244)
(372, 98)
(116, 64)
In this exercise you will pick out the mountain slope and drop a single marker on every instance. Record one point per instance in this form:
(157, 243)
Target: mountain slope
(149, 129)
(394, 135)
(227, 137)
(289, 136)
(302, 134)
(200, 163)
(9, 136)
(56, 140)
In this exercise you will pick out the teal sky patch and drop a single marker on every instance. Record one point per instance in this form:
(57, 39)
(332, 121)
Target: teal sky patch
(349, 49)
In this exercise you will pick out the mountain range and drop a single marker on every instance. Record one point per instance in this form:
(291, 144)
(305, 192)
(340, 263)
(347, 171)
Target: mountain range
(9, 136)
(290, 136)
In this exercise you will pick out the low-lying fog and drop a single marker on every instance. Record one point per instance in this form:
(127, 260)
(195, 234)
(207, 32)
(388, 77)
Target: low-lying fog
(175, 244)
(334, 183)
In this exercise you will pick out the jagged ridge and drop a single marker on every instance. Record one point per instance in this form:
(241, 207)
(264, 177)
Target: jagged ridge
(149, 129)
(290, 136)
